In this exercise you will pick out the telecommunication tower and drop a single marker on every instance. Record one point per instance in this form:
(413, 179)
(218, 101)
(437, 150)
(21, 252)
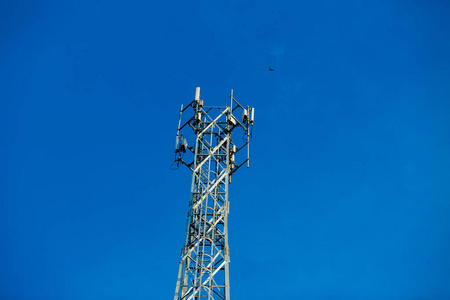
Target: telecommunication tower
(203, 272)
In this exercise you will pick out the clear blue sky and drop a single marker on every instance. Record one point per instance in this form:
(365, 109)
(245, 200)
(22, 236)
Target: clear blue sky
(348, 194)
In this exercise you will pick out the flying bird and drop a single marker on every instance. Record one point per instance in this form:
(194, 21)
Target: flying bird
(270, 69)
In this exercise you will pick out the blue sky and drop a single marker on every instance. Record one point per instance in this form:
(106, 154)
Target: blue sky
(348, 193)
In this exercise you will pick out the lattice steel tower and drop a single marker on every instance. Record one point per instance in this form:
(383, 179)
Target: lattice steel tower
(203, 271)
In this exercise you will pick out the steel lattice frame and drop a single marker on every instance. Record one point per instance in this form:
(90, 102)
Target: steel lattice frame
(204, 266)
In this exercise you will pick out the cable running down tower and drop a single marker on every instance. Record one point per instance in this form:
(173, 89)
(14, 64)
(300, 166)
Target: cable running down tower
(203, 271)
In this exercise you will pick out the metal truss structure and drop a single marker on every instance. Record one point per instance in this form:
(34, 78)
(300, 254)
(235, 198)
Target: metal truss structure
(203, 270)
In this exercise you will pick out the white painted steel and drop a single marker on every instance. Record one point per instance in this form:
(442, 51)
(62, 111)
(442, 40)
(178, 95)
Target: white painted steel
(203, 271)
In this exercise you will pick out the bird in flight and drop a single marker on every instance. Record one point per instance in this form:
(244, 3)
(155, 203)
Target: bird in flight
(270, 69)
